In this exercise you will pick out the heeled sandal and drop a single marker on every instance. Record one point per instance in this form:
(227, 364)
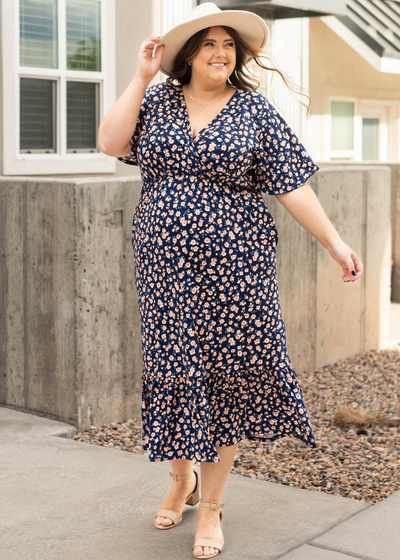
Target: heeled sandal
(210, 542)
(191, 500)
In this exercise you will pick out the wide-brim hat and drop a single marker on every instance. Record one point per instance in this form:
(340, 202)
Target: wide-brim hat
(251, 27)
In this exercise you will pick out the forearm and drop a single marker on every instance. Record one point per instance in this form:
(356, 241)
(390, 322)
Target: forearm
(118, 125)
(304, 206)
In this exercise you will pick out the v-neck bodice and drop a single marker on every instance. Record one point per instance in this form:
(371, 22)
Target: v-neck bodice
(185, 109)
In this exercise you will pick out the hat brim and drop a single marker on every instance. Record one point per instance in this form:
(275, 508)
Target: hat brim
(251, 27)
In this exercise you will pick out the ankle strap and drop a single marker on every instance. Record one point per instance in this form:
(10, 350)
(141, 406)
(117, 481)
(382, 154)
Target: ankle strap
(177, 477)
(212, 505)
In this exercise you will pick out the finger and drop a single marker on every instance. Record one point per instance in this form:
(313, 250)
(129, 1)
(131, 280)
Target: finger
(350, 265)
(150, 44)
(159, 52)
(357, 262)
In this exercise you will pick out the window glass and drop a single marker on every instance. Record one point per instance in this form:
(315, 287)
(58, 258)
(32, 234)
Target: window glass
(82, 116)
(83, 35)
(37, 115)
(370, 136)
(38, 33)
(342, 137)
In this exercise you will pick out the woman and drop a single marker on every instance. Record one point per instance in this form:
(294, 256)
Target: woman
(216, 367)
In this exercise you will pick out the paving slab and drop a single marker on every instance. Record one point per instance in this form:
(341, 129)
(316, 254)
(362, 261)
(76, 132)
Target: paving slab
(307, 552)
(64, 499)
(373, 534)
(22, 424)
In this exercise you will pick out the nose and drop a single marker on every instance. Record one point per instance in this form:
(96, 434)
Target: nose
(221, 51)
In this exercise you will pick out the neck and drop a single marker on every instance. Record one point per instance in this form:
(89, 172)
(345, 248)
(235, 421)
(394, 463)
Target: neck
(205, 93)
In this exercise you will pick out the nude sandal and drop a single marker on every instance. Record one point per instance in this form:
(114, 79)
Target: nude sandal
(191, 500)
(210, 542)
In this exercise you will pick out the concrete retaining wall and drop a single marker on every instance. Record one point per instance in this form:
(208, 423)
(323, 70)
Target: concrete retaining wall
(395, 217)
(70, 344)
(327, 319)
(69, 332)
(395, 168)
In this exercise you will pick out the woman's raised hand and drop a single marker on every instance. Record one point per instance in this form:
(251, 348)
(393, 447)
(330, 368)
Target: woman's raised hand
(148, 65)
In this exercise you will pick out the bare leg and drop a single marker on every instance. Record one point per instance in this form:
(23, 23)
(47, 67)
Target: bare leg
(179, 491)
(213, 479)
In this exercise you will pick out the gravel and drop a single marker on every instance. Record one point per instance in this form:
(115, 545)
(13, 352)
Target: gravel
(362, 466)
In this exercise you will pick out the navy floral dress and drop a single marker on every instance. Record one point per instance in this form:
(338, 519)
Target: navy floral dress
(216, 368)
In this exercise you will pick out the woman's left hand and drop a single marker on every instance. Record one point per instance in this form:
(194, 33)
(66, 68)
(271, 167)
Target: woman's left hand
(348, 260)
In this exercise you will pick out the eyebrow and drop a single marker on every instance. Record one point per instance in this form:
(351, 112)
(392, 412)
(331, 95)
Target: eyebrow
(214, 41)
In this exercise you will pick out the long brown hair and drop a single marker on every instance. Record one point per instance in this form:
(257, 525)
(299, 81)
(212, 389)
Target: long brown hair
(241, 76)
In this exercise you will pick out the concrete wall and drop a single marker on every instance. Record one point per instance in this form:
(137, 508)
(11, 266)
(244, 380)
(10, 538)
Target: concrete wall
(395, 203)
(395, 218)
(327, 319)
(69, 330)
(70, 343)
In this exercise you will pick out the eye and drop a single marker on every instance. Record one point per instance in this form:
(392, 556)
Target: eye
(231, 44)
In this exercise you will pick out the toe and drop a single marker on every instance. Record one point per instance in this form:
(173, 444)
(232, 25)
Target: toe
(165, 521)
(198, 551)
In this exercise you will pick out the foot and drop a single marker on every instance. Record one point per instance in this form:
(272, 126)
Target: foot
(176, 498)
(208, 527)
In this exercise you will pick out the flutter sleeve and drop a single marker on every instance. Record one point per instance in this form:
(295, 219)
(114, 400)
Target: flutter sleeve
(282, 163)
(132, 158)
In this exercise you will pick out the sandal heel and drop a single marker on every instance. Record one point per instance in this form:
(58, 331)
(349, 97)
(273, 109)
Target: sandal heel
(194, 497)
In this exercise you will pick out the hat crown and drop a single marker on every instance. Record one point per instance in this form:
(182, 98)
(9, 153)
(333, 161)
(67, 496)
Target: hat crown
(206, 9)
(250, 26)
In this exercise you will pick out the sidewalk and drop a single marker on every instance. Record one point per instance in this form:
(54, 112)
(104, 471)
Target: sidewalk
(67, 500)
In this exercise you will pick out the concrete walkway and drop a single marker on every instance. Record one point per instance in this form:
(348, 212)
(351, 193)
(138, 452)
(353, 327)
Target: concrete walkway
(66, 500)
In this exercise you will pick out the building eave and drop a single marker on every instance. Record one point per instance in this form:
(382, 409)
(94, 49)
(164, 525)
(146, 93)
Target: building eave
(380, 61)
(282, 9)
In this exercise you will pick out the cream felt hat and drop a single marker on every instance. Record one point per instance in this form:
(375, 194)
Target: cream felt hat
(250, 27)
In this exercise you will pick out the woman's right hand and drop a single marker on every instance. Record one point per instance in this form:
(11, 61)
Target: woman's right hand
(148, 65)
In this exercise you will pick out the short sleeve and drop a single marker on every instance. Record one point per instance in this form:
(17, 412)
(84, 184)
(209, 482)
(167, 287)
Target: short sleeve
(132, 158)
(282, 162)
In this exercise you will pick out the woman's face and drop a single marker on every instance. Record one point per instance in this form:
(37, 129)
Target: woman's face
(215, 60)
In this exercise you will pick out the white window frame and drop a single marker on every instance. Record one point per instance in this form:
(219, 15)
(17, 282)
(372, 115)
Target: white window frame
(60, 163)
(335, 155)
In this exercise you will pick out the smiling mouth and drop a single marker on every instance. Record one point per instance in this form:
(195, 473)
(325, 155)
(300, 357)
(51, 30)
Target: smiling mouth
(218, 64)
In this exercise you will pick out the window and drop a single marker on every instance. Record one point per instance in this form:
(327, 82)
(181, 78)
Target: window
(363, 129)
(57, 70)
(370, 139)
(342, 129)
(39, 49)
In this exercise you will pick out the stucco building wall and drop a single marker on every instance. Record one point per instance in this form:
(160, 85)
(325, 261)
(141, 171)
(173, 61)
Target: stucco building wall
(336, 69)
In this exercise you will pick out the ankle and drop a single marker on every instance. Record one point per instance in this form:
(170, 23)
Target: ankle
(212, 515)
(182, 477)
(211, 505)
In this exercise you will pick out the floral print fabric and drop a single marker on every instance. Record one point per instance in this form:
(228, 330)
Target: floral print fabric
(216, 368)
